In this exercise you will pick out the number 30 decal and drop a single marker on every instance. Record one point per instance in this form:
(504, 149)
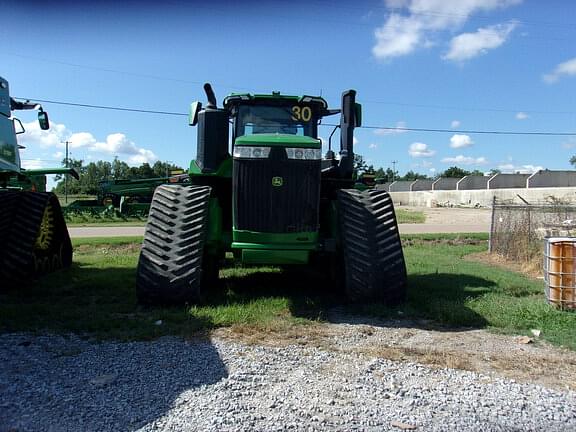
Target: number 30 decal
(301, 113)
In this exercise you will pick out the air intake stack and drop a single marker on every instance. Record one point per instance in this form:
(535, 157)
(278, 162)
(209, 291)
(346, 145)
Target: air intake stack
(212, 143)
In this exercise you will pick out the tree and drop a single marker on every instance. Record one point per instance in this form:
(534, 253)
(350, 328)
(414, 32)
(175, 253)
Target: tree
(573, 161)
(93, 173)
(411, 176)
(360, 165)
(120, 169)
(477, 172)
(455, 172)
(163, 169)
(386, 176)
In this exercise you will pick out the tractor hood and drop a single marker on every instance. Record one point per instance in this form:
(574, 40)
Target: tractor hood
(278, 140)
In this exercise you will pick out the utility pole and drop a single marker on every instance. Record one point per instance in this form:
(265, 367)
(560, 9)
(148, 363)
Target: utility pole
(394, 162)
(66, 175)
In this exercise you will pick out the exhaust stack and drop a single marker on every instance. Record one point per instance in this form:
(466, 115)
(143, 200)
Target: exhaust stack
(347, 124)
(212, 142)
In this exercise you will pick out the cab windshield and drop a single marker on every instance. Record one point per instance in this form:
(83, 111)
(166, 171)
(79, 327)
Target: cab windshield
(265, 119)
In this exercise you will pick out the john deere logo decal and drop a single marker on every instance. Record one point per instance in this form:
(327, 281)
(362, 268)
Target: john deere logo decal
(277, 181)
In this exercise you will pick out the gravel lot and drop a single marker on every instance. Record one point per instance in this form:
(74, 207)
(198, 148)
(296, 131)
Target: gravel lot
(55, 383)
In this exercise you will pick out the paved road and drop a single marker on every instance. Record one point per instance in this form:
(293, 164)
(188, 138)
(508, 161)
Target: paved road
(106, 231)
(127, 231)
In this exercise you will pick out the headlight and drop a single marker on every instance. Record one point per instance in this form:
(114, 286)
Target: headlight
(251, 152)
(303, 153)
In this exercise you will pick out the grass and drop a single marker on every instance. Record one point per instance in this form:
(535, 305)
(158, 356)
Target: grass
(103, 218)
(96, 296)
(410, 216)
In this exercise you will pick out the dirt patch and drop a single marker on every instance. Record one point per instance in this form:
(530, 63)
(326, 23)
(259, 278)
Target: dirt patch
(453, 216)
(450, 242)
(473, 350)
(532, 269)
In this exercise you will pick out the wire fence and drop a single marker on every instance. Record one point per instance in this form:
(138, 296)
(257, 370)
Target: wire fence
(517, 231)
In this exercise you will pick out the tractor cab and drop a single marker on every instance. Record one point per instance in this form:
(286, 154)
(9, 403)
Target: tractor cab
(275, 114)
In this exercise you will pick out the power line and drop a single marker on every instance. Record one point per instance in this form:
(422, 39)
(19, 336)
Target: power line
(466, 131)
(398, 129)
(448, 107)
(105, 107)
(116, 71)
(366, 101)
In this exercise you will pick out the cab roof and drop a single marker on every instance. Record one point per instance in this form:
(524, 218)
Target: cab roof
(247, 98)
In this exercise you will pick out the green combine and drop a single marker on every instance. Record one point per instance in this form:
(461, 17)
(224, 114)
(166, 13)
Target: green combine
(111, 192)
(261, 189)
(33, 232)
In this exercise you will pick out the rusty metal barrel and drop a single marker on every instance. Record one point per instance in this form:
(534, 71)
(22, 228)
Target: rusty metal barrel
(560, 272)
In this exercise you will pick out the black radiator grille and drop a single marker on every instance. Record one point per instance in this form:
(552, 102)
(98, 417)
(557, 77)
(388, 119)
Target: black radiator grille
(260, 206)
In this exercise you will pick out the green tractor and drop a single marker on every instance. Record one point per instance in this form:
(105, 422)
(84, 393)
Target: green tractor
(33, 232)
(270, 198)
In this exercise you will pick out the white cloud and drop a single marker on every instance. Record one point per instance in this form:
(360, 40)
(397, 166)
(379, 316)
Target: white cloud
(521, 169)
(460, 141)
(469, 45)
(33, 163)
(418, 149)
(400, 128)
(116, 144)
(354, 140)
(521, 116)
(397, 37)
(36, 137)
(401, 34)
(58, 155)
(455, 124)
(465, 160)
(373, 146)
(568, 68)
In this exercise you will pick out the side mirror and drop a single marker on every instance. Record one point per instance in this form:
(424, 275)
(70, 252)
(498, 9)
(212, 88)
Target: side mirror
(43, 120)
(358, 114)
(195, 108)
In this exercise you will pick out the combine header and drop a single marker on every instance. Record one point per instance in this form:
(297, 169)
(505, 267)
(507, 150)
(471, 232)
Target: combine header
(33, 232)
(262, 190)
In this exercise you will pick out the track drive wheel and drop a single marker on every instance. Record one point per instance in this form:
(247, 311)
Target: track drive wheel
(372, 252)
(170, 268)
(34, 236)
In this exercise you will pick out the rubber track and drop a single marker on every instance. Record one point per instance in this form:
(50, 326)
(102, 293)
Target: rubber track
(20, 217)
(170, 265)
(373, 258)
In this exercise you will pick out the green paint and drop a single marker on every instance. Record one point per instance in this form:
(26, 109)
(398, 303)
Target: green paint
(275, 257)
(260, 240)
(225, 169)
(214, 233)
(277, 181)
(278, 140)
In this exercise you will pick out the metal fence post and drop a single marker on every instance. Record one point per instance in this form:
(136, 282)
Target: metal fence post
(490, 235)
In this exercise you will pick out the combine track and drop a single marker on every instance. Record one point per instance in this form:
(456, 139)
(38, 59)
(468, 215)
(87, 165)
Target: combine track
(33, 236)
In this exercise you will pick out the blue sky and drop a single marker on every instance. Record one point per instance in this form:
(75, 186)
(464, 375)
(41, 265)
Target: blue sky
(506, 65)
